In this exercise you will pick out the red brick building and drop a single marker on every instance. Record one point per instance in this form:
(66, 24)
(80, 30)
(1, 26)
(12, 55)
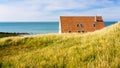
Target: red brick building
(80, 24)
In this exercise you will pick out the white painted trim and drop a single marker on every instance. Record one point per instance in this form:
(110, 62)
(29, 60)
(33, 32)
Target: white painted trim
(96, 18)
(60, 26)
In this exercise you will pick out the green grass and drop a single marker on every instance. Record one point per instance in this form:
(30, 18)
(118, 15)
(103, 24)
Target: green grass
(7, 34)
(99, 49)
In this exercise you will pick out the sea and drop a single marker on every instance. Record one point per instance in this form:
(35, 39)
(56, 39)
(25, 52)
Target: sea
(35, 27)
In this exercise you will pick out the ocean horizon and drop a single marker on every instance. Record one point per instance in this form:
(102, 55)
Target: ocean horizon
(35, 27)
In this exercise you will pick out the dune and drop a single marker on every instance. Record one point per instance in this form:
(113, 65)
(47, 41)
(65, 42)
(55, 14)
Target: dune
(99, 49)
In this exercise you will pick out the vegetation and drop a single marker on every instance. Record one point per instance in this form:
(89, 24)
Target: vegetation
(2, 34)
(99, 49)
(7, 34)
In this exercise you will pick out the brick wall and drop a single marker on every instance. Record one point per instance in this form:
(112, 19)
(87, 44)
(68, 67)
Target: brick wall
(70, 23)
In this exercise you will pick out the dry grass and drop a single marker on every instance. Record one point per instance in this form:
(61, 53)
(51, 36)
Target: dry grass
(99, 49)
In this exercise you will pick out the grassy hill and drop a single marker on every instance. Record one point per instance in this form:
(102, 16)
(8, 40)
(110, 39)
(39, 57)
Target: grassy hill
(99, 49)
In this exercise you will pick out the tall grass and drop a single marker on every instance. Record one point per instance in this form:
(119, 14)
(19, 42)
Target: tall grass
(99, 49)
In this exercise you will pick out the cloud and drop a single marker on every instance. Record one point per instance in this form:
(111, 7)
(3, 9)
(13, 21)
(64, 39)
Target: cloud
(50, 10)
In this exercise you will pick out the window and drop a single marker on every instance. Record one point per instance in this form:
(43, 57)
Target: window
(83, 31)
(78, 31)
(80, 25)
(77, 25)
(69, 31)
(94, 25)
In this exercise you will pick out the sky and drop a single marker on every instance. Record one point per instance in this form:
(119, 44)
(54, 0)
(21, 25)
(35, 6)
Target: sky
(51, 10)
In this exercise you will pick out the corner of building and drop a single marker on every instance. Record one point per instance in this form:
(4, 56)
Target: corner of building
(60, 25)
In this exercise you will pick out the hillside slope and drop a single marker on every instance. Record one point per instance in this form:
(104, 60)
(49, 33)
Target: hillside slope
(99, 49)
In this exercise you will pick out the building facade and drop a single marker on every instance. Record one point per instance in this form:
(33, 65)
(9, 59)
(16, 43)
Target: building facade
(80, 24)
